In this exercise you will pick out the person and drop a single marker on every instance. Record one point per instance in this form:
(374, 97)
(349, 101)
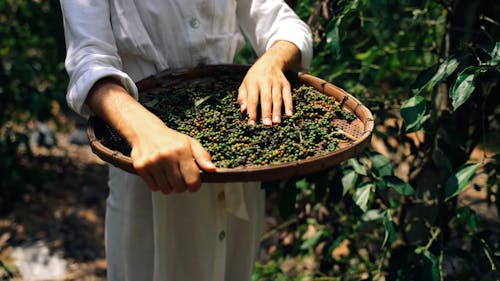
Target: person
(154, 229)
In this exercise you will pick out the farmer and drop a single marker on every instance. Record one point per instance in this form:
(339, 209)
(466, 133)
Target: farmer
(154, 229)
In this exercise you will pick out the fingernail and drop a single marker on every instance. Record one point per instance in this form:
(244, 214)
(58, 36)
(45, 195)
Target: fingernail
(289, 112)
(267, 121)
(276, 119)
(243, 107)
(210, 164)
(251, 122)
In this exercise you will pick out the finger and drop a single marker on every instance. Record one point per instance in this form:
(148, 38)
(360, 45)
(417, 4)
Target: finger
(175, 177)
(252, 102)
(266, 103)
(191, 175)
(161, 179)
(202, 156)
(242, 98)
(287, 99)
(142, 170)
(277, 102)
(148, 178)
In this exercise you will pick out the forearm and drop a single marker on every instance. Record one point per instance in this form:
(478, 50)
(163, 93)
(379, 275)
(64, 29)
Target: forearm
(111, 102)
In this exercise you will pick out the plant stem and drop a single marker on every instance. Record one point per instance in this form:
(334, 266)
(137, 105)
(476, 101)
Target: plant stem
(282, 226)
(434, 234)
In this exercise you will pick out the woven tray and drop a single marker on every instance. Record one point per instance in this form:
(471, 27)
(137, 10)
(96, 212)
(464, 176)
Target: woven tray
(114, 149)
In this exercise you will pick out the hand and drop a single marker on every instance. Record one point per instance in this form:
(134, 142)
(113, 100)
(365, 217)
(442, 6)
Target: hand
(265, 82)
(169, 161)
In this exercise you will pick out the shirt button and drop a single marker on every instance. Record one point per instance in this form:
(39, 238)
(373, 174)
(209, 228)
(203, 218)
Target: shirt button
(194, 23)
(221, 196)
(222, 235)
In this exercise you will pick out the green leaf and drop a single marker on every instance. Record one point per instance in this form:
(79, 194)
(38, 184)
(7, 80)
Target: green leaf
(373, 215)
(494, 52)
(460, 180)
(430, 266)
(413, 113)
(151, 103)
(336, 243)
(201, 101)
(362, 195)
(463, 87)
(311, 241)
(358, 167)
(348, 180)
(390, 230)
(332, 37)
(381, 165)
(468, 216)
(302, 184)
(435, 74)
(399, 185)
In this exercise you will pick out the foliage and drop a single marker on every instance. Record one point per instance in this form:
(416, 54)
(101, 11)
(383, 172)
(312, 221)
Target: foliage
(422, 68)
(429, 72)
(32, 82)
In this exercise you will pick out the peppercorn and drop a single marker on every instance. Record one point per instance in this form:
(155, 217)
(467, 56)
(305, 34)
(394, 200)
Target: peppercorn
(209, 112)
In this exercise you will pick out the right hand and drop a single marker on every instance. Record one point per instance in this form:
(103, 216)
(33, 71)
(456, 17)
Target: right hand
(170, 161)
(167, 160)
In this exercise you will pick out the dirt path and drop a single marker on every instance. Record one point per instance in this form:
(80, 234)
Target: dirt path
(65, 212)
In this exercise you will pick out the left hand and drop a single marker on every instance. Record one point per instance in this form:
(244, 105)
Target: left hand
(265, 82)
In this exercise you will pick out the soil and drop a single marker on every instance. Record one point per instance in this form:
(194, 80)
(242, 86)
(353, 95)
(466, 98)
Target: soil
(65, 210)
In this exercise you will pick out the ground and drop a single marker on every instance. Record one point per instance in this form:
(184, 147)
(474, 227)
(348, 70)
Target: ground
(66, 213)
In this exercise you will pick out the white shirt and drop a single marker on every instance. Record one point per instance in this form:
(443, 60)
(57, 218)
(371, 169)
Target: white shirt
(142, 37)
(131, 40)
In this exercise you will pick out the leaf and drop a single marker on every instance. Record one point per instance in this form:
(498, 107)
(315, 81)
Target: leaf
(430, 266)
(494, 52)
(151, 103)
(435, 74)
(302, 184)
(399, 185)
(201, 101)
(463, 87)
(460, 180)
(468, 216)
(372, 215)
(362, 195)
(413, 113)
(348, 180)
(381, 165)
(390, 230)
(336, 243)
(358, 167)
(311, 241)
(332, 37)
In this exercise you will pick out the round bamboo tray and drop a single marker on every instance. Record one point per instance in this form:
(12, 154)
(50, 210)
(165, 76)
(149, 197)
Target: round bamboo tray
(112, 148)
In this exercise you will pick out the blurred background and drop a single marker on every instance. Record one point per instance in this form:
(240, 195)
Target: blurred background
(421, 203)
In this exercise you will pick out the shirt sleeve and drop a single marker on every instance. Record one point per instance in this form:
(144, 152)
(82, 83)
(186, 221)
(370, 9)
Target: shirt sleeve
(266, 21)
(91, 52)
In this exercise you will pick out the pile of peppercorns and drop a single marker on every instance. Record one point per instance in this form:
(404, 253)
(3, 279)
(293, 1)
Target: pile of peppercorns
(208, 111)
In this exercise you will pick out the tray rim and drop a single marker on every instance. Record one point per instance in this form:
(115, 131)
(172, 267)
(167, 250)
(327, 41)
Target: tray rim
(254, 173)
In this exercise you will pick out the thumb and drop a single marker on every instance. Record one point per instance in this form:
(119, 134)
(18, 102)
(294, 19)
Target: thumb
(202, 156)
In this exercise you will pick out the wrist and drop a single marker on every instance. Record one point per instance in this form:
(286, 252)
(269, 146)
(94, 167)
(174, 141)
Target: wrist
(284, 54)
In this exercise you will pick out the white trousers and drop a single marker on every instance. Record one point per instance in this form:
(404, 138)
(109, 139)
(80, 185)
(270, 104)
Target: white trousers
(210, 235)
